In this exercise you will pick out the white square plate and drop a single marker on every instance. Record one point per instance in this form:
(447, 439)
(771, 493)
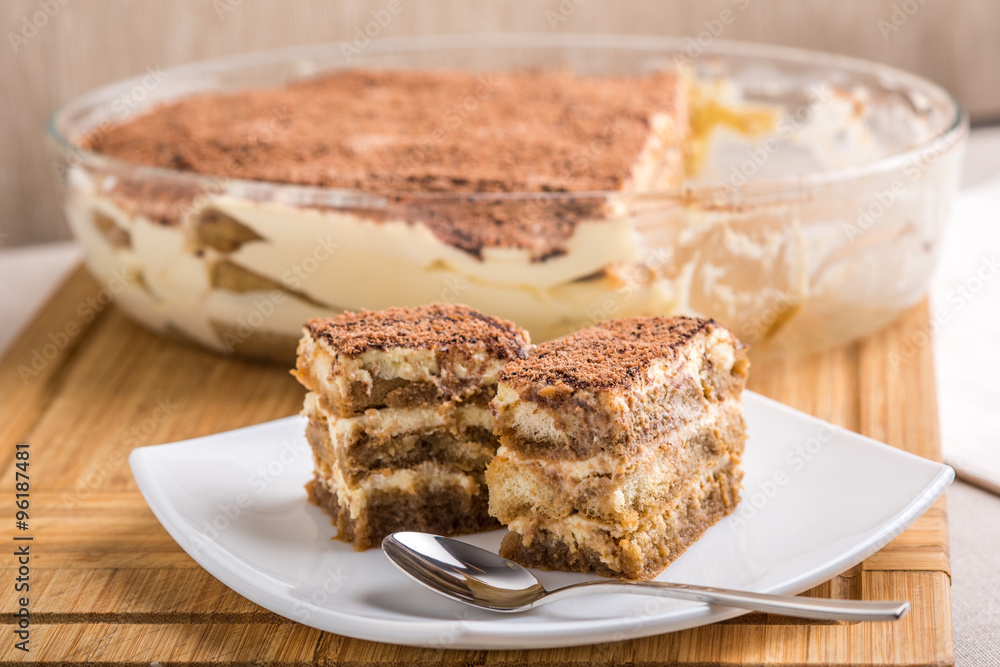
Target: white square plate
(817, 500)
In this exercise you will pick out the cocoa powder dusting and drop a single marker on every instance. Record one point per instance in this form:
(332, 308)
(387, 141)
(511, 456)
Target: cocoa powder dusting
(440, 327)
(612, 354)
(407, 136)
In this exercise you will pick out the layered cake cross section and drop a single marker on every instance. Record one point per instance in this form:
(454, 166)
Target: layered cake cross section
(620, 445)
(398, 417)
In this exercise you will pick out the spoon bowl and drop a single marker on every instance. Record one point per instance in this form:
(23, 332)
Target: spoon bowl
(463, 572)
(480, 578)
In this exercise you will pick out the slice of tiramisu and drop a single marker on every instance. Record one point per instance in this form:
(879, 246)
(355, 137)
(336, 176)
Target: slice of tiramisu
(399, 421)
(621, 445)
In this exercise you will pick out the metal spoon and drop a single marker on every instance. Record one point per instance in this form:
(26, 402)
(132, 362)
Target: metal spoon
(482, 579)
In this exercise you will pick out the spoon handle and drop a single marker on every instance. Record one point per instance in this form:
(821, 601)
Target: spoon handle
(800, 607)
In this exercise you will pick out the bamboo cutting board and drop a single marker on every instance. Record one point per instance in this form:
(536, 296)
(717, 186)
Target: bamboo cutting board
(109, 586)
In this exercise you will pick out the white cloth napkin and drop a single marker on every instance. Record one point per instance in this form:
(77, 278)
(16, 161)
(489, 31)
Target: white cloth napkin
(965, 311)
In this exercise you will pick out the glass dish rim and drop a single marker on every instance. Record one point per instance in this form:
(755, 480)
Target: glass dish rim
(948, 137)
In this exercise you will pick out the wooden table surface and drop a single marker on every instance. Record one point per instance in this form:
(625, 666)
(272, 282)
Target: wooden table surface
(84, 386)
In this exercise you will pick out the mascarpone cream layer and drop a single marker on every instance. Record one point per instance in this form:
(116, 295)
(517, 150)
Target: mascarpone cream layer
(427, 477)
(346, 262)
(389, 422)
(580, 529)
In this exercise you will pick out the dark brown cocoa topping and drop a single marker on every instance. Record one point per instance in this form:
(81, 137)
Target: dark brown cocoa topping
(612, 354)
(442, 327)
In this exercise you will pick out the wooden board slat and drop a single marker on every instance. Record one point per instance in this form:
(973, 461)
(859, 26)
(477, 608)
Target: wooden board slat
(145, 644)
(33, 365)
(109, 584)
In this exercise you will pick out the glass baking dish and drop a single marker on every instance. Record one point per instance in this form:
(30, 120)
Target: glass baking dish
(817, 191)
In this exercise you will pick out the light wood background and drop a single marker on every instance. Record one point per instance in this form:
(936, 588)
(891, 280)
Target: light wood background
(87, 43)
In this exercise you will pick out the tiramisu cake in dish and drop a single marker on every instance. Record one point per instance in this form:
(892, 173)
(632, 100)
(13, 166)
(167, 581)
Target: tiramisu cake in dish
(509, 191)
(399, 422)
(620, 445)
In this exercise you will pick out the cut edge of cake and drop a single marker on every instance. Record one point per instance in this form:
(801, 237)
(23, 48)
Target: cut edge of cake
(620, 445)
(417, 464)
